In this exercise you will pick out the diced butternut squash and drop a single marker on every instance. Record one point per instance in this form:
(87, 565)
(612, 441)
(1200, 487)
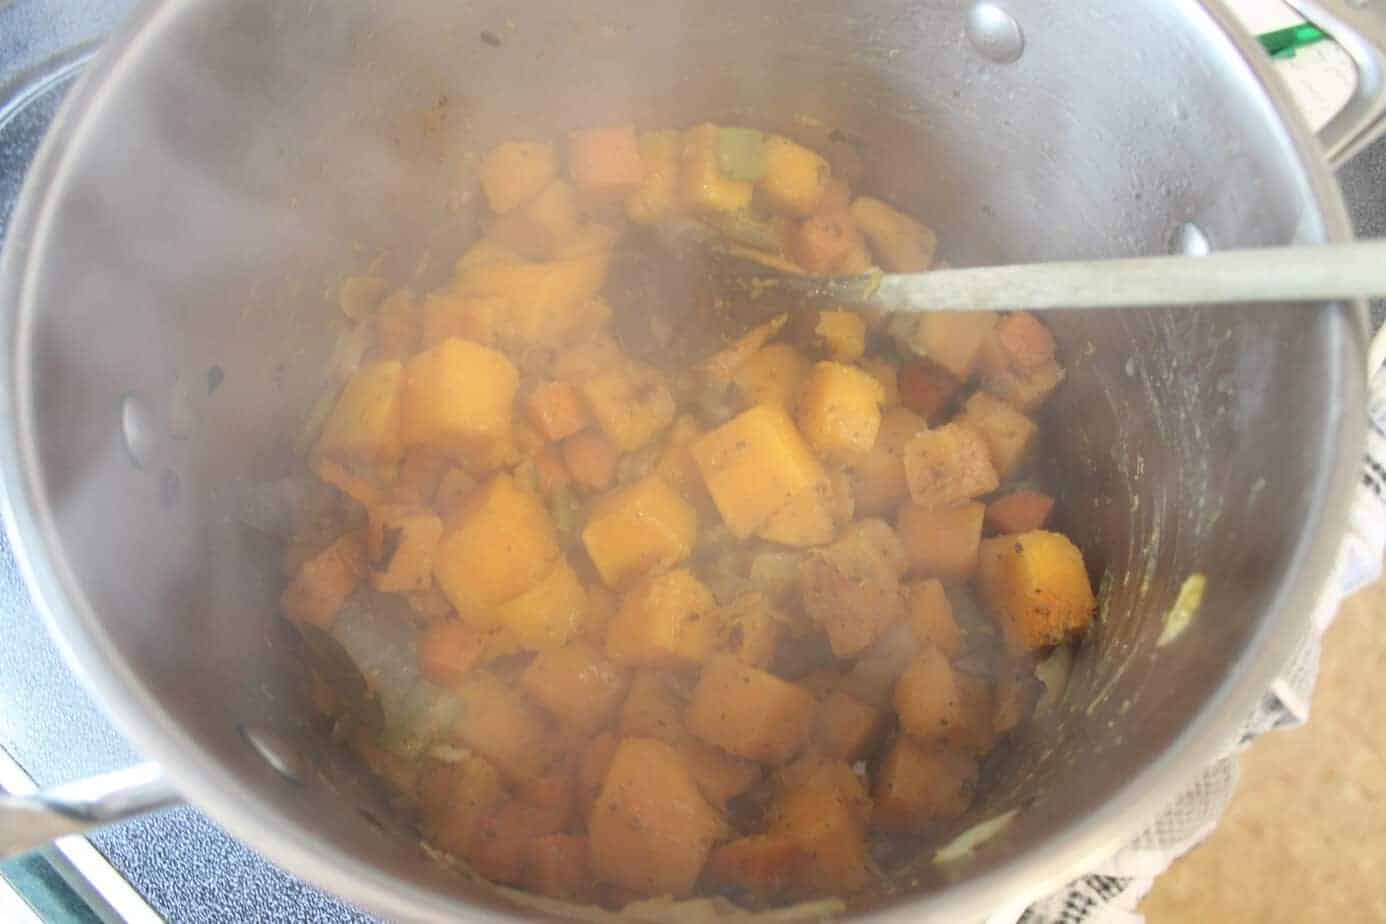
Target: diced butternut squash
(448, 313)
(772, 375)
(325, 581)
(583, 361)
(605, 161)
(754, 465)
(1018, 512)
(501, 850)
(397, 325)
(539, 228)
(796, 179)
(704, 186)
(431, 604)
(591, 771)
(643, 527)
(749, 629)
(417, 481)
(927, 697)
(851, 589)
(457, 798)
(825, 808)
(676, 464)
(659, 192)
(810, 518)
(927, 389)
(872, 678)
(721, 367)
(554, 480)
(975, 735)
(631, 404)
(1009, 434)
(500, 545)
(918, 784)
(667, 620)
(1017, 691)
(901, 244)
(577, 684)
(948, 466)
(590, 459)
(1037, 587)
(930, 616)
(501, 725)
(400, 544)
(720, 776)
(362, 487)
(764, 865)
(364, 425)
(879, 476)
(843, 335)
(453, 491)
(541, 299)
(953, 339)
(457, 397)
(749, 712)
(1028, 391)
(823, 242)
(941, 543)
(515, 172)
(840, 411)
(846, 729)
(448, 649)
(560, 868)
(549, 614)
(1025, 341)
(653, 709)
(557, 410)
(651, 829)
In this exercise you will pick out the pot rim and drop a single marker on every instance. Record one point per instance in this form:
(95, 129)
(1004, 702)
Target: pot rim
(1070, 850)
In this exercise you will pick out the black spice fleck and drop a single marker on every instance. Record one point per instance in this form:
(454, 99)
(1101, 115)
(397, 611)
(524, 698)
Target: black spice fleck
(214, 379)
(491, 38)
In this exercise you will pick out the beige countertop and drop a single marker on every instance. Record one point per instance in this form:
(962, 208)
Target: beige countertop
(1305, 838)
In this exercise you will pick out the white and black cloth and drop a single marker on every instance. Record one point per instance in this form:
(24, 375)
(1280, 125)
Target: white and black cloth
(1110, 893)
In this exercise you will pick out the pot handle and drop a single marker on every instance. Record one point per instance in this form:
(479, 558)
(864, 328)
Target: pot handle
(30, 820)
(1359, 26)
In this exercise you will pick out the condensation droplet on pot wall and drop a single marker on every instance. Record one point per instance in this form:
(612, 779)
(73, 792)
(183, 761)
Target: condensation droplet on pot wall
(995, 33)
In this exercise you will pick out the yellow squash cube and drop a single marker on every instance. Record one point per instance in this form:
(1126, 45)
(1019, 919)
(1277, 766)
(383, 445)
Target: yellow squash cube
(840, 410)
(1037, 586)
(364, 426)
(666, 621)
(843, 334)
(795, 178)
(754, 465)
(948, 466)
(500, 545)
(643, 527)
(577, 685)
(1009, 434)
(457, 397)
(631, 404)
(549, 614)
(515, 172)
(704, 186)
(772, 375)
(953, 339)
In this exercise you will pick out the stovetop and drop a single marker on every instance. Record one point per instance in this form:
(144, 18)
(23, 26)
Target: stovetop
(178, 865)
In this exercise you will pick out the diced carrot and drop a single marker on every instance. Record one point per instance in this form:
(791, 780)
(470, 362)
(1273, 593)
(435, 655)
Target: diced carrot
(1018, 512)
(927, 389)
(1026, 342)
(448, 649)
(560, 868)
(590, 459)
(605, 160)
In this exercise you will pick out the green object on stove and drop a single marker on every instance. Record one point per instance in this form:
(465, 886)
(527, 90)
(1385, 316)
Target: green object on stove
(1282, 43)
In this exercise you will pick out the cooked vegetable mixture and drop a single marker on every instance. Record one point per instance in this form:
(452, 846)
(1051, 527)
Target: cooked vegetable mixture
(737, 624)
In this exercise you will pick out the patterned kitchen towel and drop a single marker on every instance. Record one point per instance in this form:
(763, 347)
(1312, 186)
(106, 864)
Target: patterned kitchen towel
(1111, 892)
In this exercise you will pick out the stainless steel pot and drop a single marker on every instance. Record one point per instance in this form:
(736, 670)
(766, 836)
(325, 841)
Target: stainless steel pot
(224, 163)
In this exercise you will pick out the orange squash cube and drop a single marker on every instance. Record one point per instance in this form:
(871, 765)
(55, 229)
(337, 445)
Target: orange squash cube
(605, 161)
(1027, 391)
(549, 614)
(666, 621)
(949, 465)
(902, 244)
(748, 712)
(843, 335)
(918, 784)
(538, 229)
(754, 465)
(1025, 341)
(1037, 587)
(456, 799)
(953, 339)
(703, 185)
(557, 410)
(643, 527)
(448, 649)
(720, 776)
(659, 192)
(810, 517)
(772, 375)
(515, 172)
(590, 459)
(879, 476)
(651, 829)
(539, 296)
(927, 697)
(325, 582)
(846, 729)
(577, 684)
(400, 545)
(1018, 512)
(631, 404)
(501, 543)
(824, 807)
(765, 865)
(930, 616)
(560, 868)
(796, 179)
(840, 410)
(851, 589)
(1009, 434)
(457, 397)
(364, 425)
(941, 543)
(501, 725)
(749, 629)
(652, 708)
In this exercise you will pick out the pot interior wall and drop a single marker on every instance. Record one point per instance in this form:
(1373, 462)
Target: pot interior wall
(243, 157)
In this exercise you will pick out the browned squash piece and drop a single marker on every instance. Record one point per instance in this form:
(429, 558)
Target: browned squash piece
(927, 697)
(651, 829)
(749, 629)
(669, 620)
(764, 865)
(846, 729)
(631, 404)
(325, 581)
(503, 726)
(1018, 512)
(749, 712)
(852, 587)
(400, 543)
(772, 375)
(824, 808)
(560, 868)
(593, 763)
(652, 709)
(1037, 587)
(949, 465)
(839, 411)
(930, 615)
(644, 527)
(976, 734)
(918, 784)
(953, 339)
(880, 482)
(576, 684)
(941, 544)
(720, 776)
(1009, 434)
(364, 426)
(456, 798)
